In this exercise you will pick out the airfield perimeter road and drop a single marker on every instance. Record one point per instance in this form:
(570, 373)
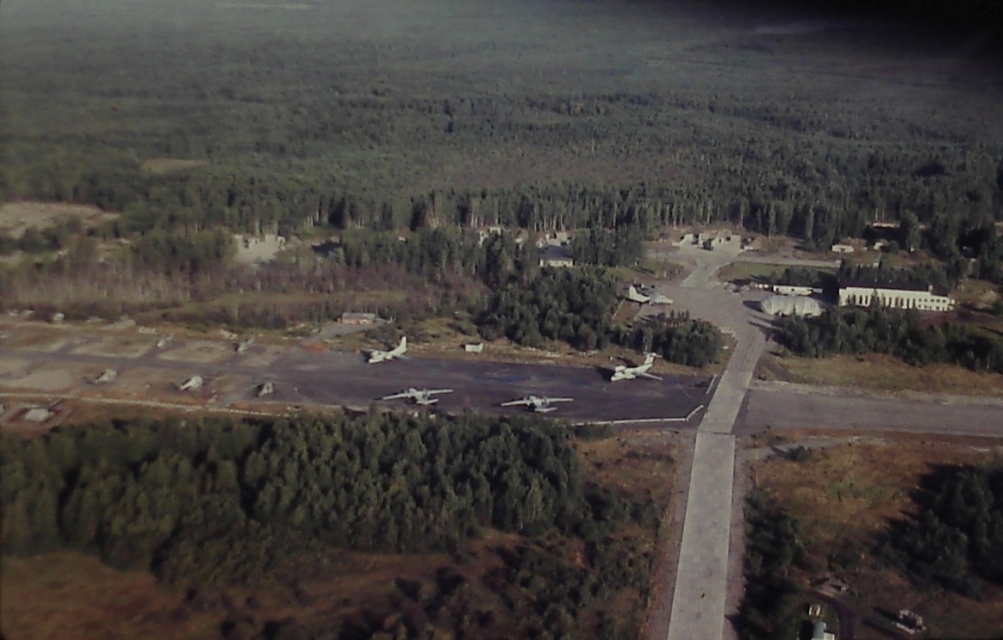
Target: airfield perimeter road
(301, 377)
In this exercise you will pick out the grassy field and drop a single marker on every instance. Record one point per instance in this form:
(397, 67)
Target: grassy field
(70, 595)
(846, 494)
(878, 372)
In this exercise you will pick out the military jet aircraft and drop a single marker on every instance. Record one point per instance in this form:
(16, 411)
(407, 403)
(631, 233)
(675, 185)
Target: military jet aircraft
(636, 296)
(536, 403)
(191, 384)
(623, 372)
(377, 355)
(421, 397)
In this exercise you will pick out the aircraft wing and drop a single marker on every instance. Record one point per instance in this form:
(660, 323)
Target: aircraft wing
(431, 391)
(513, 403)
(650, 375)
(395, 396)
(547, 400)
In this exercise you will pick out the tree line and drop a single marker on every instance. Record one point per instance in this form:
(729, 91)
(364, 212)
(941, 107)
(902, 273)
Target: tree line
(576, 305)
(955, 539)
(210, 503)
(893, 331)
(218, 498)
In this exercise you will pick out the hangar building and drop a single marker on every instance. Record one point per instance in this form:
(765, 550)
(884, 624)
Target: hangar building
(898, 295)
(778, 305)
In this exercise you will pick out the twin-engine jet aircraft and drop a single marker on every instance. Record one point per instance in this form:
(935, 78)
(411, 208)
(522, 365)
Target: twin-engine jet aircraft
(377, 355)
(421, 397)
(623, 372)
(537, 404)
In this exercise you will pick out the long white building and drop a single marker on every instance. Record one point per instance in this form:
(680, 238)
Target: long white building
(897, 295)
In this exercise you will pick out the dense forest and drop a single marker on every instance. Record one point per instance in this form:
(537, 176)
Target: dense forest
(251, 123)
(213, 502)
(774, 546)
(955, 538)
(897, 332)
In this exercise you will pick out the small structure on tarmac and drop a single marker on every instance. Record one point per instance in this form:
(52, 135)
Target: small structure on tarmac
(818, 631)
(37, 414)
(357, 318)
(107, 376)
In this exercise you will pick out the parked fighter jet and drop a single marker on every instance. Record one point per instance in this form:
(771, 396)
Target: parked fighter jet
(420, 396)
(195, 382)
(536, 403)
(266, 389)
(623, 372)
(377, 355)
(634, 295)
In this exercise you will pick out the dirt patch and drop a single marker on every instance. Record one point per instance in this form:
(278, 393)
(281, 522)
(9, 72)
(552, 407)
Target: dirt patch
(117, 347)
(261, 357)
(199, 351)
(52, 377)
(10, 365)
(18, 217)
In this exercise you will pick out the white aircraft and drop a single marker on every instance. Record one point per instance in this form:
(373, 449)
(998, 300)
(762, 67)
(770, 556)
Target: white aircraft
(243, 346)
(536, 403)
(107, 376)
(377, 355)
(634, 295)
(266, 389)
(195, 382)
(422, 397)
(623, 372)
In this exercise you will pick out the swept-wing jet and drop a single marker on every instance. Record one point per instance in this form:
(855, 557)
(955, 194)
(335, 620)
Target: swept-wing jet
(623, 372)
(377, 355)
(191, 384)
(422, 397)
(636, 296)
(536, 403)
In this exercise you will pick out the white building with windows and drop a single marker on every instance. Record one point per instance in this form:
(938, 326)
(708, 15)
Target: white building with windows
(896, 295)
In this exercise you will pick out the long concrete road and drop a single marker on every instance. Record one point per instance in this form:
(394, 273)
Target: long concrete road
(700, 597)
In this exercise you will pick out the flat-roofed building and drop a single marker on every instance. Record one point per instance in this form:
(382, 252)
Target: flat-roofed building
(896, 295)
(351, 317)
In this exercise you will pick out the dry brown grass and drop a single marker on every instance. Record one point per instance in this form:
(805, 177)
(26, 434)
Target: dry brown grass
(850, 490)
(17, 217)
(880, 373)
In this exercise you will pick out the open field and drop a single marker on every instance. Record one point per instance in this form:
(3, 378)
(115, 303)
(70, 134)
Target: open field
(846, 494)
(18, 217)
(879, 372)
